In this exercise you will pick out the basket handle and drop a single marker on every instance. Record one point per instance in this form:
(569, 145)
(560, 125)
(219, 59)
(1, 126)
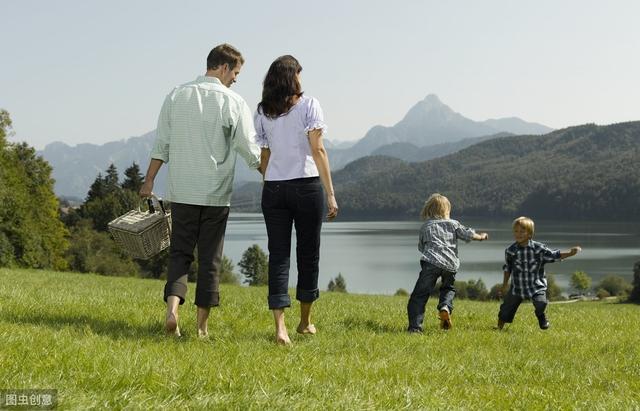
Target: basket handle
(152, 208)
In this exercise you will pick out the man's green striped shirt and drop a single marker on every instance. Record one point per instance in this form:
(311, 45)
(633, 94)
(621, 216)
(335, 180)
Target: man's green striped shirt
(201, 128)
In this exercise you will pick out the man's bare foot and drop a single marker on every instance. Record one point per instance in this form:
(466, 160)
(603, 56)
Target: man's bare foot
(171, 325)
(204, 334)
(499, 326)
(306, 329)
(283, 339)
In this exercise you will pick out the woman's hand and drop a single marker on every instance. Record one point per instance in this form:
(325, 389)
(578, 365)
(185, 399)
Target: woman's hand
(333, 207)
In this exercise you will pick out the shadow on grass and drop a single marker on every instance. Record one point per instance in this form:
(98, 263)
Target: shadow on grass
(113, 328)
(356, 324)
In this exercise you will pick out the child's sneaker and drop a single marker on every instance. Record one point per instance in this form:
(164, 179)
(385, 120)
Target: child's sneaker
(445, 319)
(542, 322)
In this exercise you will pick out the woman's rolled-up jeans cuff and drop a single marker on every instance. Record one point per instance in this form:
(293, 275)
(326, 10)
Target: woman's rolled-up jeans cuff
(279, 301)
(307, 296)
(176, 289)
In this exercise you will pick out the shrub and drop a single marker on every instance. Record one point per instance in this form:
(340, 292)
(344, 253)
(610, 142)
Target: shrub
(477, 290)
(580, 281)
(495, 292)
(602, 293)
(227, 276)
(401, 292)
(554, 291)
(338, 285)
(615, 285)
(635, 292)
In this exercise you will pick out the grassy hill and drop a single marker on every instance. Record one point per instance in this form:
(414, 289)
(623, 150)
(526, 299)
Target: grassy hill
(98, 341)
(580, 173)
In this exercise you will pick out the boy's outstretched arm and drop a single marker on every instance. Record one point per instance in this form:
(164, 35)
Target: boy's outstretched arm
(480, 236)
(570, 252)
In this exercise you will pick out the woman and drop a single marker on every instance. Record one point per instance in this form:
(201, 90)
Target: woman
(296, 168)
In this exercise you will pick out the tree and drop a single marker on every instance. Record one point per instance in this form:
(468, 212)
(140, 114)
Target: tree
(31, 235)
(495, 292)
(338, 285)
(254, 265)
(401, 292)
(227, 276)
(635, 292)
(96, 252)
(111, 179)
(580, 281)
(133, 178)
(106, 200)
(554, 292)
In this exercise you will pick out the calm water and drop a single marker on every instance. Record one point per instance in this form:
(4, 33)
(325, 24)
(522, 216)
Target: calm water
(378, 257)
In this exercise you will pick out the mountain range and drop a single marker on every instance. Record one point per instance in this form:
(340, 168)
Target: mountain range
(430, 129)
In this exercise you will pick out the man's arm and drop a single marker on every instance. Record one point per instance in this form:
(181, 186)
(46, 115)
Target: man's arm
(160, 151)
(147, 188)
(244, 139)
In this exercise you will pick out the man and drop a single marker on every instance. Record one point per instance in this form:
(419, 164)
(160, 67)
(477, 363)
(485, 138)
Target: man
(202, 125)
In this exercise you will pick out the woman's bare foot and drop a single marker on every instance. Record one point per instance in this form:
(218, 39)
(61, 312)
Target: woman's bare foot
(283, 339)
(171, 325)
(306, 329)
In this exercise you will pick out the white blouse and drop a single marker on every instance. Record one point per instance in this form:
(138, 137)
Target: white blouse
(287, 138)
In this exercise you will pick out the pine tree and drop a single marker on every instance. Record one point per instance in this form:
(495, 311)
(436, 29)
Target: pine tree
(133, 178)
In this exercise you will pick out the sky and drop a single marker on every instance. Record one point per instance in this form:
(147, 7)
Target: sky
(82, 71)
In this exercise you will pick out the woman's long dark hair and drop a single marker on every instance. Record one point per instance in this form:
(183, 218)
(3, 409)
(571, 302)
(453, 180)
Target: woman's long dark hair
(280, 86)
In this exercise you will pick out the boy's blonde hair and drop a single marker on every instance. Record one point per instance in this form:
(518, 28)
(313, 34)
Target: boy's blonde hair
(526, 223)
(436, 206)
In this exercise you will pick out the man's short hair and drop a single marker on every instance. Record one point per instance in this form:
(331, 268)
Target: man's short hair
(224, 54)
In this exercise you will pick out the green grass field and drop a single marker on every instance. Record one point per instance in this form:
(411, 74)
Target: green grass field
(99, 342)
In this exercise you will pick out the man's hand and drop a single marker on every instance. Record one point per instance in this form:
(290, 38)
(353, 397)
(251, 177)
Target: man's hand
(146, 190)
(575, 250)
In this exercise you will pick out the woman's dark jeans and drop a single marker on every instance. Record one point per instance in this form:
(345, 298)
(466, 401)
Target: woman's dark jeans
(298, 202)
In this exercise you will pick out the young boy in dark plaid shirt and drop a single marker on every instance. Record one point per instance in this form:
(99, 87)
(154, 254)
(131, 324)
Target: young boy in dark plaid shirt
(524, 264)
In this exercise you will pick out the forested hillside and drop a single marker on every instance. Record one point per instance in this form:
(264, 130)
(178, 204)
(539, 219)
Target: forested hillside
(583, 172)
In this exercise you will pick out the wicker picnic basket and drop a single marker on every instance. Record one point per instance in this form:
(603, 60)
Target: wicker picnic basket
(143, 234)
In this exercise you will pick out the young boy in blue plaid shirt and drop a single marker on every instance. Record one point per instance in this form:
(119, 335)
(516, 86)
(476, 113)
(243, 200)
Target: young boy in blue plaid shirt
(438, 244)
(524, 264)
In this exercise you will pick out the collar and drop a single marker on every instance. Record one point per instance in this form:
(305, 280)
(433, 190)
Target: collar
(529, 244)
(208, 79)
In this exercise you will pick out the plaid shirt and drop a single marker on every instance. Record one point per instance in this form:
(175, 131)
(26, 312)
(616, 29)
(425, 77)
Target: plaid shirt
(526, 266)
(438, 242)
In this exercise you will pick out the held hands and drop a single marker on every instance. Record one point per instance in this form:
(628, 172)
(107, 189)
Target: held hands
(333, 207)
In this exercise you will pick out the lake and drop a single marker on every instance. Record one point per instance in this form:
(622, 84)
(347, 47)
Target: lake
(379, 257)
